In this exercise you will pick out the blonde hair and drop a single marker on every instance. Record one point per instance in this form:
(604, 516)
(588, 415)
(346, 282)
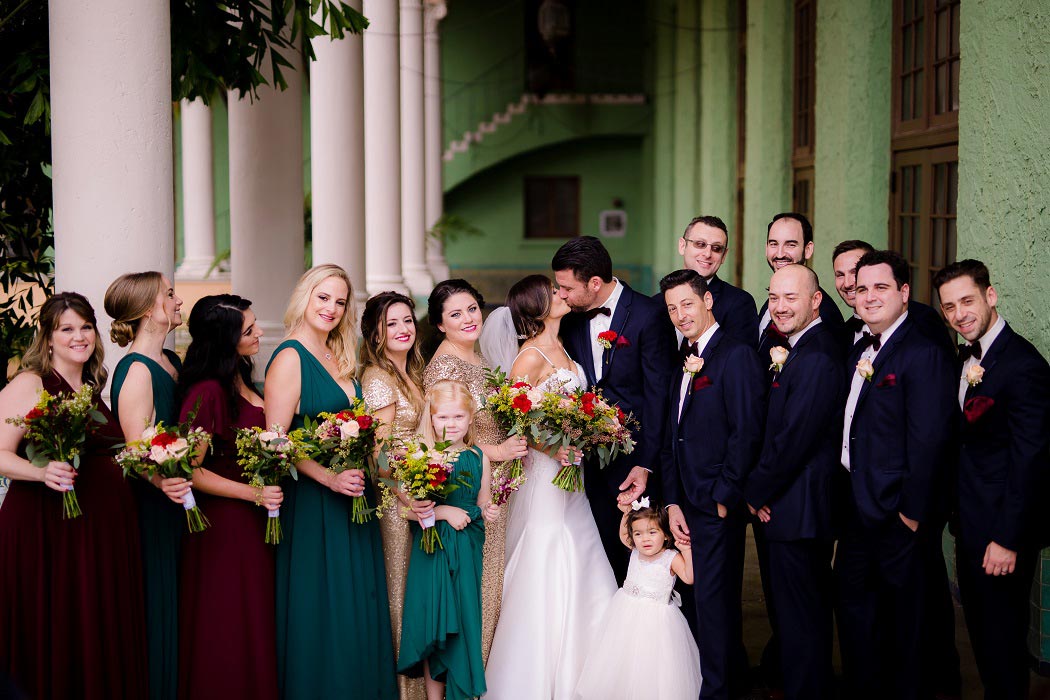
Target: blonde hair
(127, 302)
(342, 340)
(37, 359)
(444, 391)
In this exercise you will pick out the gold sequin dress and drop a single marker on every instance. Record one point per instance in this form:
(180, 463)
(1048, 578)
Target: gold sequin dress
(380, 390)
(486, 432)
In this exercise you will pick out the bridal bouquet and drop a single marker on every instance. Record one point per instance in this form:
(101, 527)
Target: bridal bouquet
(54, 431)
(587, 423)
(267, 456)
(168, 452)
(346, 440)
(515, 408)
(426, 473)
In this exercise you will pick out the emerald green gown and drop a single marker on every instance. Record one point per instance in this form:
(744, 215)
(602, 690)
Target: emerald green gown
(442, 613)
(333, 623)
(162, 523)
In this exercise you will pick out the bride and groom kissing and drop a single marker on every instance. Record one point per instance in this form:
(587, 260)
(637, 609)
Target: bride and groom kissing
(565, 556)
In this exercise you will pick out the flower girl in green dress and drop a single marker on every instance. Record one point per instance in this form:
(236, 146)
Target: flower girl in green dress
(441, 631)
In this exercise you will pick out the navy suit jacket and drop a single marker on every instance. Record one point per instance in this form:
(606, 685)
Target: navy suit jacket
(713, 445)
(635, 374)
(1004, 460)
(830, 316)
(904, 429)
(803, 440)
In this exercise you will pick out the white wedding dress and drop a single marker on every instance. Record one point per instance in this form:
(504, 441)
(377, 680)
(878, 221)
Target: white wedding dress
(557, 586)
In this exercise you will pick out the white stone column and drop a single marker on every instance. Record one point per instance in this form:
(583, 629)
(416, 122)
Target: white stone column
(337, 157)
(111, 136)
(266, 201)
(198, 192)
(434, 12)
(413, 218)
(382, 148)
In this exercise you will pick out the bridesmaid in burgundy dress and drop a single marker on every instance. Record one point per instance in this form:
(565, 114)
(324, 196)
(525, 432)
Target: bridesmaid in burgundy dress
(227, 626)
(72, 616)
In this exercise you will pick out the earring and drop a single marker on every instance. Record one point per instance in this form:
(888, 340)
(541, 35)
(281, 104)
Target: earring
(150, 326)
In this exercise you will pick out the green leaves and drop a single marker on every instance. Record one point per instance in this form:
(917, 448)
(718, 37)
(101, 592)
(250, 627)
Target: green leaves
(220, 47)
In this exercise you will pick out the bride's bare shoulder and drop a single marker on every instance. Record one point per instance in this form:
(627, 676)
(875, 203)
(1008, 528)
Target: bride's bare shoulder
(532, 366)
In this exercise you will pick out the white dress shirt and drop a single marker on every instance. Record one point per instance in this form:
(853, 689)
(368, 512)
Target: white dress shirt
(857, 335)
(698, 350)
(870, 353)
(763, 322)
(985, 341)
(601, 323)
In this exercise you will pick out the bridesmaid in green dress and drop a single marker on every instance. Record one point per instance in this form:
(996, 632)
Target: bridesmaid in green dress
(145, 310)
(441, 634)
(392, 367)
(333, 626)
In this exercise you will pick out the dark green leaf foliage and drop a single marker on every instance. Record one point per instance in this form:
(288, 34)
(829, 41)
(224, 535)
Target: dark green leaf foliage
(237, 45)
(26, 239)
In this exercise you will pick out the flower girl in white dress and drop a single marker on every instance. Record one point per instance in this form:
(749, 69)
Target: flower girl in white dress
(645, 650)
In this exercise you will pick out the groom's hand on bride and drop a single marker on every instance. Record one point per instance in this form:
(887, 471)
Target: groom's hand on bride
(679, 530)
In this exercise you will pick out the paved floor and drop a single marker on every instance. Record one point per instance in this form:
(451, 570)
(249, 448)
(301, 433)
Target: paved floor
(756, 633)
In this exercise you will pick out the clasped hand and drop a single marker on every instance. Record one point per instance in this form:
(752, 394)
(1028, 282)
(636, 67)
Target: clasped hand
(59, 476)
(349, 483)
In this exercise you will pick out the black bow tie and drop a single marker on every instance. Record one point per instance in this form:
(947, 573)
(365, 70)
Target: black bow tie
(686, 349)
(603, 310)
(872, 339)
(854, 325)
(772, 331)
(968, 351)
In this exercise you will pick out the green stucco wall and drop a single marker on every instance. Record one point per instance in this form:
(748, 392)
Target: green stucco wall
(608, 168)
(660, 146)
(1004, 155)
(852, 162)
(767, 147)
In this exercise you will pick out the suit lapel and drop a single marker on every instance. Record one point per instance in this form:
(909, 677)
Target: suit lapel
(883, 357)
(617, 324)
(793, 352)
(991, 357)
(706, 355)
(583, 349)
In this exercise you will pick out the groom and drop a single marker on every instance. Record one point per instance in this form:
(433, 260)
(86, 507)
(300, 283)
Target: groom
(632, 372)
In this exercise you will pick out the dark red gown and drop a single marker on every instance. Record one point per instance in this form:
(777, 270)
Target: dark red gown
(227, 630)
(72, 612)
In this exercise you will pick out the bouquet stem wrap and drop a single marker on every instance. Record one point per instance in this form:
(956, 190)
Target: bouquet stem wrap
(195, 519)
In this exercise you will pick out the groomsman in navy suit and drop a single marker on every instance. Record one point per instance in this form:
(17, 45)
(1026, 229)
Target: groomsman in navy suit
(715, 432)
(900, 420)
(1004, 467)
(632, 372)
(940, 653)
(703, 248)
(790, 490)
(789, 241)
(844, 261)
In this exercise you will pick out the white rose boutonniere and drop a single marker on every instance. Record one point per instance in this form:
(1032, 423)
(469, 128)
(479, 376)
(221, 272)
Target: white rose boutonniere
(693, 365)
(974, 375)
(779, 356)
(865, 369)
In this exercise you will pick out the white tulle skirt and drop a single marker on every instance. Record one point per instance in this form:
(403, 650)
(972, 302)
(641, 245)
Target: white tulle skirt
(557, 586)
(644, 651)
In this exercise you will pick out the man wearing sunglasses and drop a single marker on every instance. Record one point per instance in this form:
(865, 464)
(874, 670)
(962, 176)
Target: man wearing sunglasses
(703, 248)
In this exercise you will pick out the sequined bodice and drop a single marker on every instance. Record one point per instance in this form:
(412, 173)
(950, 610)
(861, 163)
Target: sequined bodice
(445, 366)
(380, 390)
(651, 579)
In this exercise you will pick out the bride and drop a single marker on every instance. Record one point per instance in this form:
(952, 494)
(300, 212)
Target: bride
(558, 580)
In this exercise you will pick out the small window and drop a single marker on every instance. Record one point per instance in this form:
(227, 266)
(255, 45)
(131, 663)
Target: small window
(552, 207)
(804, 131)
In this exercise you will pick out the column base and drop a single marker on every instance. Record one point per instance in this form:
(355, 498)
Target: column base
(377, 284)
(200, 268)
(418, 279)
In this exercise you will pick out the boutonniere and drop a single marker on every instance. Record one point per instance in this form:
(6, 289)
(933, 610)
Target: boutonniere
(779, 356)
(609, 338)
(702, 382)
(977, 407)
(974, 375)
(888, 380)
(865, 369)
(693, 365)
